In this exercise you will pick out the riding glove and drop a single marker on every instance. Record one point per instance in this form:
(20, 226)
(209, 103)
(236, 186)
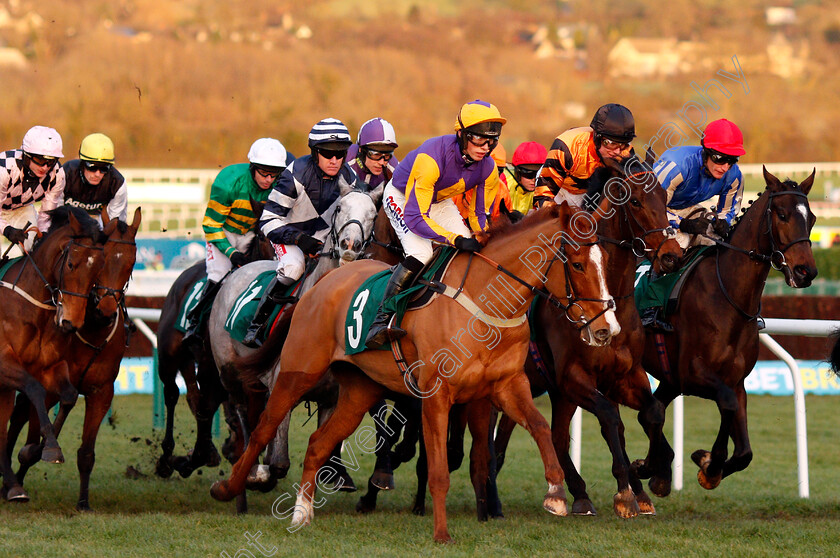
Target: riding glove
(695, 226)
(238, 259)
(467, 244)
(309, 244)
(721, 227)
(14, 234)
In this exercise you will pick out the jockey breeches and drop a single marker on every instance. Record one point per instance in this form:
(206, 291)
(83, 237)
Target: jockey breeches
(290, 262)
(217, 263)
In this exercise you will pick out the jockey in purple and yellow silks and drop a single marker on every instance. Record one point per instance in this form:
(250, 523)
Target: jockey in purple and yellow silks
(419, 204)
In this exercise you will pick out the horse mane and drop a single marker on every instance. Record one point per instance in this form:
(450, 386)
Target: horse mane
(60, 217)
(790, 183)
(502, 227)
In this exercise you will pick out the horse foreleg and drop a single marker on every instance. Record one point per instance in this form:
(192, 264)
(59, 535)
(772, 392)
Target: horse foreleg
(652, 419)
(19, 418)
(422, 472)
(711, 463)
(36, 393)
(458, 417)
(343, 480)
(515, 400)
(383, 472)
(96, 407)
(30, 453)
(435, 418)
(562, 411)
(281, 401)
(167, 372)
(356, 394)
(411, 411)
(742, 452)
(478, 419)
(12, 490)
(279, 462)
(504, 430)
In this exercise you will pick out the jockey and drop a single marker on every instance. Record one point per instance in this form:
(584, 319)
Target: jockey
(299, 211)
(418, 200)
(27, 175)
(372, 156)
(93, 182)
(527, 160)
(229, 222)
(692, 175)
(577, 153)
(501, 203)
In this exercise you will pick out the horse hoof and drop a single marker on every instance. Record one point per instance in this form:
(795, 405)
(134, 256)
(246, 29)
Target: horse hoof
(257, 477)
(701, 458)
(419, 510)
(365, 507)
(443, 538)
(660, 486)
(645, 504)
(83, 506)
(555, 500)
(382, 480)
(183, 466)
(163, 468)
(625, 504)
(52, 455)
(278, 472)
(221, 491)
(347, 484)
(583, 507)
(17, 494)
(709, 483)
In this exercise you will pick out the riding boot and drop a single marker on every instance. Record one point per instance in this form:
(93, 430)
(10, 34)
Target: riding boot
(269, 301)
(192, 338)
(651, 317)
(401, 278)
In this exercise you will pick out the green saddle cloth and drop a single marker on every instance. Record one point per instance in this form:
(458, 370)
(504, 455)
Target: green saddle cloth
(9, 263)
(189, 302)
(365, 302)
(660, 293)
(245, 306)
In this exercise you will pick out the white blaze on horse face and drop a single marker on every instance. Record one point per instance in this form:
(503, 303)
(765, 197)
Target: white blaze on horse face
(800, 207)
(597, 258)
(90, 261)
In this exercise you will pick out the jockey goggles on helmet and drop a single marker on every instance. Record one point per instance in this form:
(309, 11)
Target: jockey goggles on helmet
(40, 161)
(375, 155)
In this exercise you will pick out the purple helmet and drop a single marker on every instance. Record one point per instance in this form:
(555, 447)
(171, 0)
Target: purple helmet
(377, 131)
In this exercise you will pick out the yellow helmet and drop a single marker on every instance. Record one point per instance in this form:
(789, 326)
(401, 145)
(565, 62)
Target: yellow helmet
(481, 118)
(97, 147)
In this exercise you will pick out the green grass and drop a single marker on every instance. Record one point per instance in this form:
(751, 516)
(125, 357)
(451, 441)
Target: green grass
(754, 513)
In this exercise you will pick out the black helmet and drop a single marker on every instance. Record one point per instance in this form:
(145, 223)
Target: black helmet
(615, 122)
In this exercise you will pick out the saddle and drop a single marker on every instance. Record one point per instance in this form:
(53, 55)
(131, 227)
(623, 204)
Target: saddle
(664, 292)
(245, 306)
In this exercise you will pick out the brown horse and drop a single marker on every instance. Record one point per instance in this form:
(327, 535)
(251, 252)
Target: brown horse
(598, 379)
(492, 355)
(46, 288)
(97, 350)
(715, 343)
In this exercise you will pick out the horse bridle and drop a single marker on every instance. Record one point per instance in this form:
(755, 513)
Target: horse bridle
(118, 294)
(572, 301)
(336, 233)
(776, 258)
(58, 293)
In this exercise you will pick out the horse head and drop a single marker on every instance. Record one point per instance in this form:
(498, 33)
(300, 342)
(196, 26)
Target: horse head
(787, 229)
(633, 196)
(260, 247)
(120, 254)
(70, 257)
(352, 224)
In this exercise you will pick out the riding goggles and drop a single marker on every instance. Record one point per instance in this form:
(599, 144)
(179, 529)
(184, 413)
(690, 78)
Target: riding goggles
(607, 143)
(722, 158)
(374, 155)
(329, 153)
(481, 141)
(92, 166)
(527, 173)
(43, 161)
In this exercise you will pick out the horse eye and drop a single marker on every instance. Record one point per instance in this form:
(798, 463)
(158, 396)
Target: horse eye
(782, 215)
(635, 203)
(577, 266)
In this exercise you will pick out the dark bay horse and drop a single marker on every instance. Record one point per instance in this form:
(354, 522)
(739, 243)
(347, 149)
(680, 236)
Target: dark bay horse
(715, 344)
(44, 297)
(599, 379)
(97, 349)
(204, 390)
(485, 362)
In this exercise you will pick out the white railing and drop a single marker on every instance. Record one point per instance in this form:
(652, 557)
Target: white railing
(776, 326)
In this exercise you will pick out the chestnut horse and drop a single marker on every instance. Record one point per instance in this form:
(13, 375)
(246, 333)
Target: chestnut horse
(598, 379)
(44, 299)
(715, 343)
(518, 261)
(97, 350)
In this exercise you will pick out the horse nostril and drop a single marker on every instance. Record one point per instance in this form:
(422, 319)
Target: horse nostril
(602, 334)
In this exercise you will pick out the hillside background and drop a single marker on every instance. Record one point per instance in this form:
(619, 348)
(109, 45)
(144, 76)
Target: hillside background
(192, 83)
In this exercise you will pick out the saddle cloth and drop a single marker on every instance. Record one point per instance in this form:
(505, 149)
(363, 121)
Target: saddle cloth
(189, 302)
(365, 301)
(664, 292)
(245, 306)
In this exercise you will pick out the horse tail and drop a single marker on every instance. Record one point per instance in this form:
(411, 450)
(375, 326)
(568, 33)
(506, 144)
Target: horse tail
(254, 365)
(834, 357)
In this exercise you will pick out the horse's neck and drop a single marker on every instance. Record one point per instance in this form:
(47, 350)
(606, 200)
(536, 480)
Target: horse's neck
(325, 264)
(39, 267)
(621, 269)
(744, 277)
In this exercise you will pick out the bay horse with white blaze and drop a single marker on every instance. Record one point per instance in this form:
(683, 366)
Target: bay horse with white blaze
(484, 363)
(715, 343)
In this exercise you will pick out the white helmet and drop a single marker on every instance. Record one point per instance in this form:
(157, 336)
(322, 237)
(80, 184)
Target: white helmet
(40, 140)
(268, 152)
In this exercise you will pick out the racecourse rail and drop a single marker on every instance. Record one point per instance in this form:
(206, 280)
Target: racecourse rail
(775, 326)
(174, 200)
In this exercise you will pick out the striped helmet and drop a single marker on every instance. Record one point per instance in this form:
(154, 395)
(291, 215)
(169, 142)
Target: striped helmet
(330, 133)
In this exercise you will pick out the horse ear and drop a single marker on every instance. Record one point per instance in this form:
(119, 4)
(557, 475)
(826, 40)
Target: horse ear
(806, 184)
(257, 207)
(75, 225)
(135, 223)
(345, 187)
(376, 195)
(650, 157)
(772, 182)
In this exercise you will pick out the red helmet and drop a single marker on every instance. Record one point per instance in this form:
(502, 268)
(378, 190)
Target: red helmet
(529, 153)
(724, 137)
